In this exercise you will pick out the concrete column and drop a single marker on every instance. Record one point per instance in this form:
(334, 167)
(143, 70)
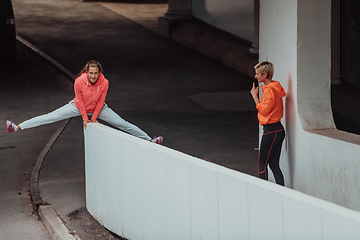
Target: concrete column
(179, 10)
(254, 50)
(335, 42)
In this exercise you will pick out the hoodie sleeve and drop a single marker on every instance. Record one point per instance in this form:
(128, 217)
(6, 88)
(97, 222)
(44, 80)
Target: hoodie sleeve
(101, 101)
(79, 100)
(267, 102)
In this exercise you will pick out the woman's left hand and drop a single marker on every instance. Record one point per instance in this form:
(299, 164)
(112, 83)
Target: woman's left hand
(94, 121)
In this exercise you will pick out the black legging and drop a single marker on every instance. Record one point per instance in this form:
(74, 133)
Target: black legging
(269, 153)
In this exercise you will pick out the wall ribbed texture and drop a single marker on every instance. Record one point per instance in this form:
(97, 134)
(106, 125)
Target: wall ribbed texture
(141, 190)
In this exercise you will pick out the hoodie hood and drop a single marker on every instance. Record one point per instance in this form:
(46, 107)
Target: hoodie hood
(275, 85)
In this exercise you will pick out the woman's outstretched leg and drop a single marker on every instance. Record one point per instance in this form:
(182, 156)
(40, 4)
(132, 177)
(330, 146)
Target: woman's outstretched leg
(109, 116)
(67, 111)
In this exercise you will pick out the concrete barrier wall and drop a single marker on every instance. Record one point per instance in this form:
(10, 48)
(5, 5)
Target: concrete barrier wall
(140, 190)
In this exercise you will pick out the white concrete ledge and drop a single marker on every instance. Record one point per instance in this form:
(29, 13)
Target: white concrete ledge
(141, 190)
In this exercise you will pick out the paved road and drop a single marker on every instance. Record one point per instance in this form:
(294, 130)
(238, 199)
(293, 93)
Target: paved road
(151, 77)
(155, 83)
(29, 89)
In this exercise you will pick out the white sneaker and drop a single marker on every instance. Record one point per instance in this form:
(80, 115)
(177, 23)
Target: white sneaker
(11, 127)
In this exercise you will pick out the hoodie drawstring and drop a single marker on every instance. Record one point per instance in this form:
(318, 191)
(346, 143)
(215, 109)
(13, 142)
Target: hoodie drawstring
(87, 83)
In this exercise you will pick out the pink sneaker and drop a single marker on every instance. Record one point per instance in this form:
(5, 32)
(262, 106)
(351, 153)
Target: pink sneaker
(157, 140)
(11, 127)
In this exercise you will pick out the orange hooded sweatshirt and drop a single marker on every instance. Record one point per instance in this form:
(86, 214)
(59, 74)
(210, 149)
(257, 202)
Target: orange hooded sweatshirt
(271, 109)
(90, 98)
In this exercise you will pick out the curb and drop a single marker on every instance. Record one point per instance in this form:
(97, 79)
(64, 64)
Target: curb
(34, 187)
(22, 42)
(47, 214)
(54, 224)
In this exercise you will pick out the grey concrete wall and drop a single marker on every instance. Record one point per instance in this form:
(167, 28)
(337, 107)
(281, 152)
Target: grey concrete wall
(141, 190)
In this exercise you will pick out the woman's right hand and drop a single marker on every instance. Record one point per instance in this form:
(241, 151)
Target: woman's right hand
(254, 90)
(255, 93)
(85, 122)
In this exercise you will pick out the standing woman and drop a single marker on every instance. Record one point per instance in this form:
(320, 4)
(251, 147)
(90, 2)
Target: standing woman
(270, 111)
(90, 92)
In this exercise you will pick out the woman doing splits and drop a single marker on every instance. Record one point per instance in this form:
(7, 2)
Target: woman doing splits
(91, 88)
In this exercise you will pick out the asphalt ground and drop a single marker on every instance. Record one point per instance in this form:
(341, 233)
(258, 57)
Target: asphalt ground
(29, 88)
(152, 83)
(151, 78)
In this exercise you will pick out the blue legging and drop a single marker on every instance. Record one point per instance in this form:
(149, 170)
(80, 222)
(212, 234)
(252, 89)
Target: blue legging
(269, 152)
(69, 111)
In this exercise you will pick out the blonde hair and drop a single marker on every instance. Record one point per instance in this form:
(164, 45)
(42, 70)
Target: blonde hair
(265, 67)
(91, 63)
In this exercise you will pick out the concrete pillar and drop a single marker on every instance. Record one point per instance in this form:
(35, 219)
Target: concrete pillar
(335, 42)
(254, 50)
(179, 10)
(295, 36)
(313, 64)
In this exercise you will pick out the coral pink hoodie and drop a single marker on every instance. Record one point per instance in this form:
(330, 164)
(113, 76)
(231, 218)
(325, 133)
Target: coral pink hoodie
(90, 98)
